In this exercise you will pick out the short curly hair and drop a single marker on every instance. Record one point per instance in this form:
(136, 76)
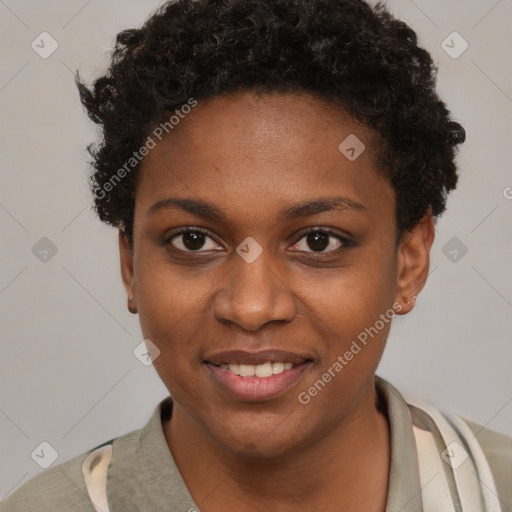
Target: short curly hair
(355, 55)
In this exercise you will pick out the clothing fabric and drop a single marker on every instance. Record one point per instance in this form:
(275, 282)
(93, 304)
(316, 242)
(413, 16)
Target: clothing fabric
(143, 477)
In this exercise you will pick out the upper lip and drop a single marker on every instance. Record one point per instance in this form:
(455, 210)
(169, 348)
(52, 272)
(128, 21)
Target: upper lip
(255, 358)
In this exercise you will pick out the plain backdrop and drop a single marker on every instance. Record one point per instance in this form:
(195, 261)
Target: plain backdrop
(68, 375)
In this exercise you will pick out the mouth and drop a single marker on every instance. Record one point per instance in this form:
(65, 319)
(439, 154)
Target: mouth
(261, 370)
(256, 377)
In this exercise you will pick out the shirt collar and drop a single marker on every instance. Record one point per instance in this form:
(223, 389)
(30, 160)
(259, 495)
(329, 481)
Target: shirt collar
(143, 474)
(404, 491)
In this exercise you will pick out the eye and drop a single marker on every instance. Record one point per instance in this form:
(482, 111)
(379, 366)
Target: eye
(321, 240)
(192, 240)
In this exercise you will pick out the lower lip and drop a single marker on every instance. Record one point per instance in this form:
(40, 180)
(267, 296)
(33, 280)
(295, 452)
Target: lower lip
(257, 389)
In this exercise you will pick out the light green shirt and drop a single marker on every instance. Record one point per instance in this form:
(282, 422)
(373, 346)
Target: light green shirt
(143, 476)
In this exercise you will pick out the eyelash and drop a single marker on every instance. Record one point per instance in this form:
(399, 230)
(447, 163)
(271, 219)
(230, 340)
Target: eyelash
(345, 241)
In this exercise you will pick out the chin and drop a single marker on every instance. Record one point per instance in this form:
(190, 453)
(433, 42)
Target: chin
(257, 449)
(255, 443)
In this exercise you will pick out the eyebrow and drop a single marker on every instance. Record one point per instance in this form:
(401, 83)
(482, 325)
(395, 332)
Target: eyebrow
(208, 210)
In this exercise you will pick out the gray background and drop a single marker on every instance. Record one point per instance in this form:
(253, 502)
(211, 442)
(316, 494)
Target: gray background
(68, 373)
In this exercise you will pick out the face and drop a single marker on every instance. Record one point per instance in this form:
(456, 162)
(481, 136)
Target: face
(259, 247)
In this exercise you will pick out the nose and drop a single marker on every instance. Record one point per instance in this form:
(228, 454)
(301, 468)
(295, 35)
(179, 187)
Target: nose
(253, 294)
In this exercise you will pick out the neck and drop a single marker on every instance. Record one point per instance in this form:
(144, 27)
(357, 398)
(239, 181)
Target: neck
(347, 469)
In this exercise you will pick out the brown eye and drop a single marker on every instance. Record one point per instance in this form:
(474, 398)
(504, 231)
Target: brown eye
(192, 240)
(319, 240)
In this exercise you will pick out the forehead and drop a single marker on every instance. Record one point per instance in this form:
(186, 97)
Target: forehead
(246, 121)
(261, 151)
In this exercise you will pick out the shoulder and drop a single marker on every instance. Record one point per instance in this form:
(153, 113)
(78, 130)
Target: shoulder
(62, 488)
(59, 488)
(497, 447)
(498, 451)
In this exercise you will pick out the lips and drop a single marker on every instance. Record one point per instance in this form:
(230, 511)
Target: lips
(260, 370)
(256, 376)
(256, 358)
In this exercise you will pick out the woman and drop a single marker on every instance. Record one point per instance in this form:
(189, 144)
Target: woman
(274, 170)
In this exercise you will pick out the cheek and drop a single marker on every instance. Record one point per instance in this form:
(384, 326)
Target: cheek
(171, 316)
(351, 339)
(352, 314)
(172, 308)
(349, 299)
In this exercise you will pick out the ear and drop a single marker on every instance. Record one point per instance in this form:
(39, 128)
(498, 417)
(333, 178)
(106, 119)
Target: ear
(414, 262)
(126, 258)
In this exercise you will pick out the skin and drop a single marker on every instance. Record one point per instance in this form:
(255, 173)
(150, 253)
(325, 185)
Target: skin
(252, 156)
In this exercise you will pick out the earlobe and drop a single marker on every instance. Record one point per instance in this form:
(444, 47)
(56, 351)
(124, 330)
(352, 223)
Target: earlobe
(414, 262)
(127, 274)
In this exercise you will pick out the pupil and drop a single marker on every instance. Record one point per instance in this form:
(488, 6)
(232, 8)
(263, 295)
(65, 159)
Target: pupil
(318, 241)
(193, 240)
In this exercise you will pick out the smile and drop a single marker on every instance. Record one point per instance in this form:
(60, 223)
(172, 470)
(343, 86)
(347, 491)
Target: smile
(256, 376)
(261, 370)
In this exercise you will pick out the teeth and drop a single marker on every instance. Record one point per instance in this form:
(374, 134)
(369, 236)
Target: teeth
(247, 370)
(277, 368)
(261, 370)
(234, 368)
